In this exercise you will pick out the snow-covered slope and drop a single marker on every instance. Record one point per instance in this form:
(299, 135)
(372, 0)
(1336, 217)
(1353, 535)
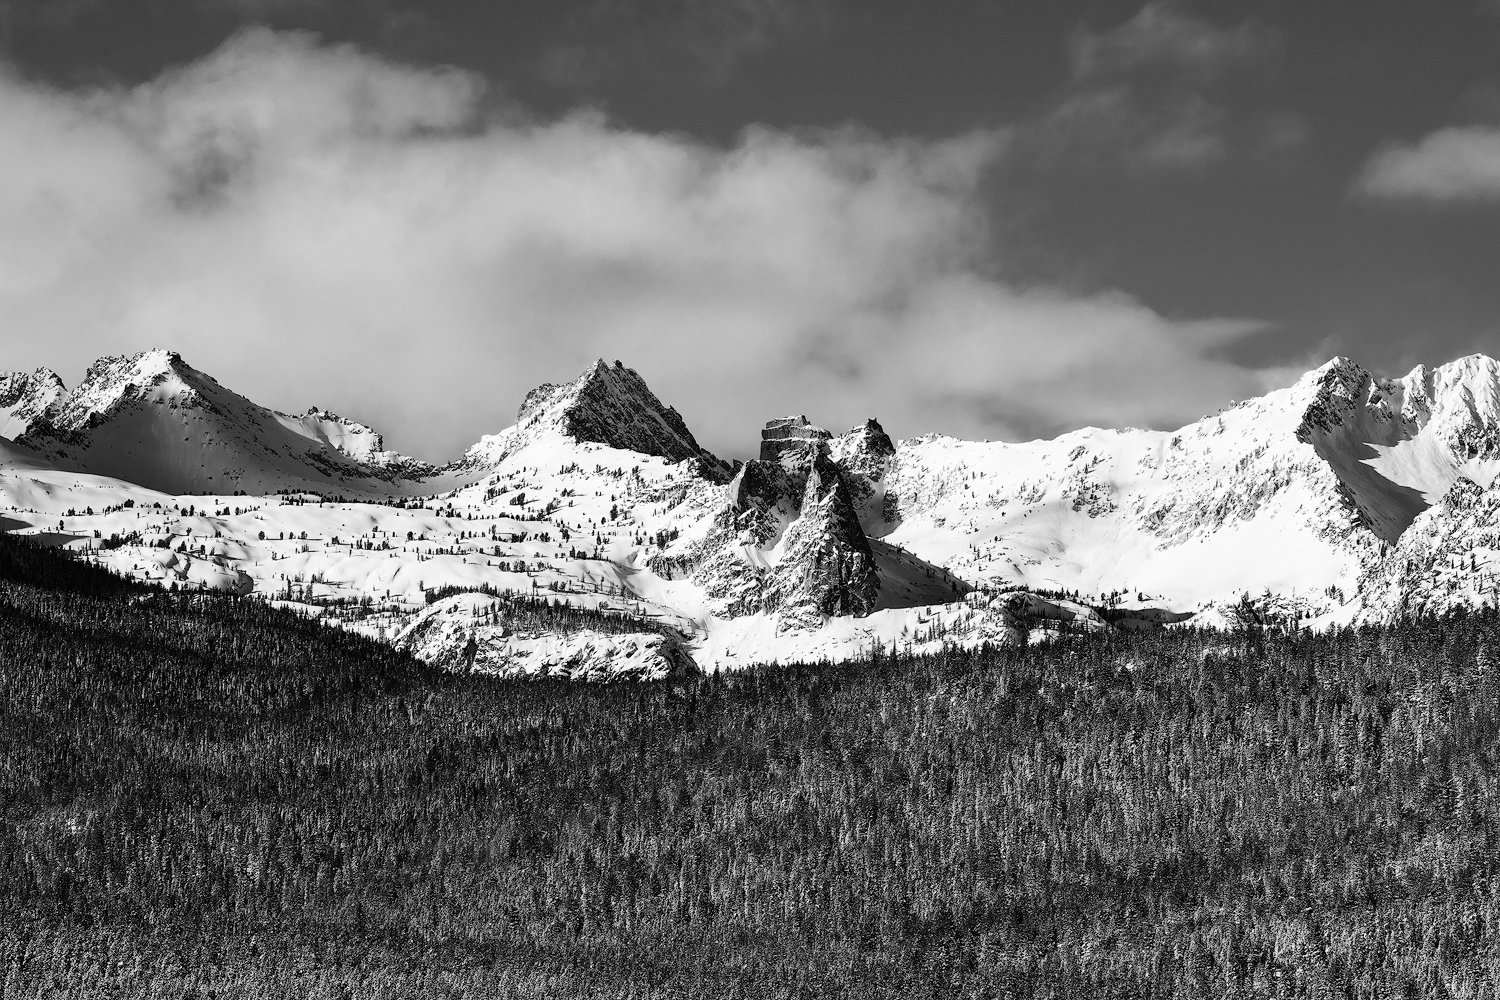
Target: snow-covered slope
(1340, 497)
(1232, 503)
(1398, 444)
(155, 421)
(352, 439)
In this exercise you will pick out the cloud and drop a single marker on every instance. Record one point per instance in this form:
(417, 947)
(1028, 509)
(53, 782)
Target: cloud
(1117, 125)
(1162, 36)
(1150, 95)
(705, 39)
(1449, 165)
(315, 225)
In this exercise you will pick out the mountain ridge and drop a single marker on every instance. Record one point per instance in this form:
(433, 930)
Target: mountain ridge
(1335, 499)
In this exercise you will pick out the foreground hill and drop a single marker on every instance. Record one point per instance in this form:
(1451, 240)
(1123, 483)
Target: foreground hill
(1343, 497)
(203, 796)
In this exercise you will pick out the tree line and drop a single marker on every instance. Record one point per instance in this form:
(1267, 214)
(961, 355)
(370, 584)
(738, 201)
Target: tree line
(204, 796)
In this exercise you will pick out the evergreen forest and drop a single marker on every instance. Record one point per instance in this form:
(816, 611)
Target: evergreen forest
(206, 797)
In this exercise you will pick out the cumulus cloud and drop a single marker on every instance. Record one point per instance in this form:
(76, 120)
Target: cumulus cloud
(312, 224)
(1449, 165)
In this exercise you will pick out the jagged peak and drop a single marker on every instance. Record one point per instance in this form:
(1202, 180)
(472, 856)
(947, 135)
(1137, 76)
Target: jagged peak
(37, 376)
(608, 404)
(871, 437)
(1340, 374)
(154, 362)
(24, 397)
(147, 368)
(323, 413)
(14, 385)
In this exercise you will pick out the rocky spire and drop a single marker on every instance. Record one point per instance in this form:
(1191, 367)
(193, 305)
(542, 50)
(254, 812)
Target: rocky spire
(609, 405)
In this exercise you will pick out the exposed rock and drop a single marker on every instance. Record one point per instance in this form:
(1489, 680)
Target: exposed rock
(865, 456)
(763, 500)
(609, 405)
(442, 632)
(789, 539)
(792, 441)
(826, 567)
(24, 397)
(1390, 440)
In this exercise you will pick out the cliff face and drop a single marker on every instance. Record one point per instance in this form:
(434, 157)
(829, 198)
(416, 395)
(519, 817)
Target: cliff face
(789, 539)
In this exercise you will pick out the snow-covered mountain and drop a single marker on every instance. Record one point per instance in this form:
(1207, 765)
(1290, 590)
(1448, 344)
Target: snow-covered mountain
(1343, 496)
(155, 421)
(605, 405)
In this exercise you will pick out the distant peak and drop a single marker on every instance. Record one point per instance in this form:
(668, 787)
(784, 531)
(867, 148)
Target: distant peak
(870, 439)
(611, 405)
(1338, 369)
(1468, 368)
(30, 381)
(159, 359)
(24, 397)
(870, 429)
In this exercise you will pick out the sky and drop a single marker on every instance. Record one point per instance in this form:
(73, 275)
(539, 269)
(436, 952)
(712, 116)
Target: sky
(988, 218)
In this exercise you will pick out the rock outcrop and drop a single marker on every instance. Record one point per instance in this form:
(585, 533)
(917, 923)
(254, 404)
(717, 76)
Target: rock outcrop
(472, 632)
(789, 539)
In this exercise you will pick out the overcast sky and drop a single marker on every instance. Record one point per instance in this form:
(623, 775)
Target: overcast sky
(987, 218)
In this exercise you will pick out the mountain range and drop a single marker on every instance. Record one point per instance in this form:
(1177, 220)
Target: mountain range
(1344, 497)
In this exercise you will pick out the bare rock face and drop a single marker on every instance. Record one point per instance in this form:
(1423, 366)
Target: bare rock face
(826, 567)
(791, 440)
(865, 456)
(612, 405)
(763, 499)
(789, 539)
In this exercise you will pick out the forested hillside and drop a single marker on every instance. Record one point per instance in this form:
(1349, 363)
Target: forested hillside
(204, 797)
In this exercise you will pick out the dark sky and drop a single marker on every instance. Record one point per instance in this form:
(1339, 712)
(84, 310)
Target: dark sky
(1228, 192)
